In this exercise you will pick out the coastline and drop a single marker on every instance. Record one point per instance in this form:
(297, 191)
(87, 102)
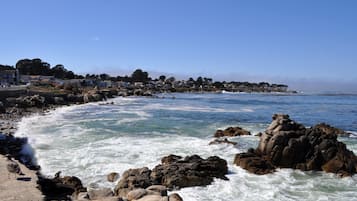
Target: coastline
(45, 110)
(29, 185)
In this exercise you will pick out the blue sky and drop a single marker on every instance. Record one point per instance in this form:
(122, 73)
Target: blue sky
(293, 41)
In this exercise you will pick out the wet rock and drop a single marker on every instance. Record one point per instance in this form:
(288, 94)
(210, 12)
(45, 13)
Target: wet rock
(329, 130)
(224, 141)
(175, 197)
(190, 171)
(60, 188)
(170, 159)
(231, 132)
(288, 144)
(253, 163)
(132, 179)
(112, 177)
(175, 172)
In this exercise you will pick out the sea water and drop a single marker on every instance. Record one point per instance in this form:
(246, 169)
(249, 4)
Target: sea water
(92, 140)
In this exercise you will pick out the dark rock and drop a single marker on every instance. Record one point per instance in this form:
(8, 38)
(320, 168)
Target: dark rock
(27, 101)
(2, 107)
(253, 163)
(174, 173)
(231, 132)
(191, 171)
(112, 177)
(60, 188)
(329, 130)
(224, 141)
(287, 144)
(170, 159)
(58, 101)
(132, 179)
(75, 98)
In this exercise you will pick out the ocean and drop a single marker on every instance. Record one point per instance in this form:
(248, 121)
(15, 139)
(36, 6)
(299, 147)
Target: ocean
(92, 140)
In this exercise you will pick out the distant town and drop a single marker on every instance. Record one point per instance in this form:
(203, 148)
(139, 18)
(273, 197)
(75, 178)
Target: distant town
(37, 73)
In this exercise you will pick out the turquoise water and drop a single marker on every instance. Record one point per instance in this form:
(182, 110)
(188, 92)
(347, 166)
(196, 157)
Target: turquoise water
(93, 140)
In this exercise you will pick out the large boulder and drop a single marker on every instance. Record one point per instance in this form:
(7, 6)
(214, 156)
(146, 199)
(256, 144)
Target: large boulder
(190, 171)
(174, 172)
(231, 132)
(60, 188)
(288, 144)
(93, 96)
(132, 179)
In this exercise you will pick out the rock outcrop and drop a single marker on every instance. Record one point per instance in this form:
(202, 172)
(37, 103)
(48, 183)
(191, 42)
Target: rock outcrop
(331, 130)
(60, 188)
(231, 132)
(190, 171)
(287, 144)
(27, 101)
(224, 141)
(174, 172)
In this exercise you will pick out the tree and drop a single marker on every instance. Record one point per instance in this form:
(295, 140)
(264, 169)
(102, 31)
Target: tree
(6, 67)
(171, 79)
(33, 67)
(199, 81)
(162, 78)
(69, 75)
(140, 76)
(104, 76)
(218, 85)
(59, 71)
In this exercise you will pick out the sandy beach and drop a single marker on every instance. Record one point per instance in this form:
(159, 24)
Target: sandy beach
(20, 187)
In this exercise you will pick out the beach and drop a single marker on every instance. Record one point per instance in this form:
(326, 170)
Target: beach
(21, 188)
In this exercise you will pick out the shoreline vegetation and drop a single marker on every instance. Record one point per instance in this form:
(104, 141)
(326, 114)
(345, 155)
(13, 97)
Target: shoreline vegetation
(46, 91)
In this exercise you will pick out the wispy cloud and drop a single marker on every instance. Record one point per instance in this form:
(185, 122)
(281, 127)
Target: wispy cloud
(95, 38)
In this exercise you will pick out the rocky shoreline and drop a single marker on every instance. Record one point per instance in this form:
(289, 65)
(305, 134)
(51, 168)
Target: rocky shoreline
(285, 144)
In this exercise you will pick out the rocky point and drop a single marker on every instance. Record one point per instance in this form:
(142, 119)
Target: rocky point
(288, 144)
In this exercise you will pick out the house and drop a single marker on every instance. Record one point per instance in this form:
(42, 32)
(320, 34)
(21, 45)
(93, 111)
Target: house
(36, 79)
(105, 84)
(9, 77)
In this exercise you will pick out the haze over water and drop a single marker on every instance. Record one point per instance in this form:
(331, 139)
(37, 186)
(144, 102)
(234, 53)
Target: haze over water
(92, 140)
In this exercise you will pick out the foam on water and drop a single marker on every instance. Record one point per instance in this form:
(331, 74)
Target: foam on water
(92, 140)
